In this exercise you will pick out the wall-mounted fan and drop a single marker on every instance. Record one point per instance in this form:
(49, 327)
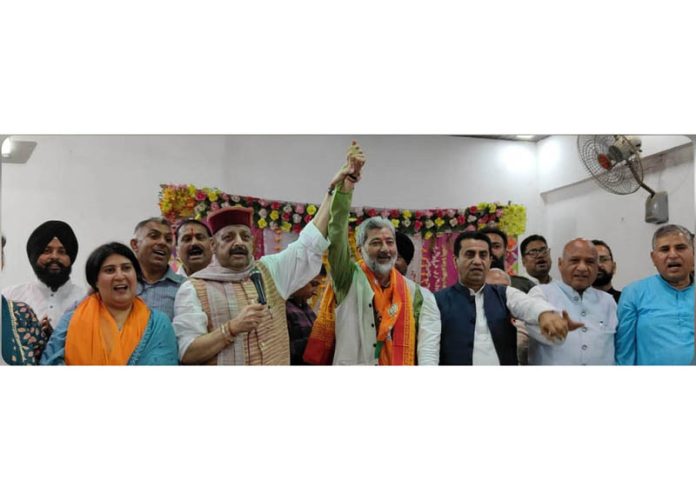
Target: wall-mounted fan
(614, 162)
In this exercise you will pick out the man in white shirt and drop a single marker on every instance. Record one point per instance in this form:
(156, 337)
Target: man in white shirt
(593, 344)
(52, 249)
(476, 318)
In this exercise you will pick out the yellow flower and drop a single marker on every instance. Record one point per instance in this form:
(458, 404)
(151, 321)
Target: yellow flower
(428, 235)
(439, 222)
(262, 223)
(406, 214)
(311, 209)
(395, 222)
(286, 227)
(514, 219)
(274, 215)
(212, 196)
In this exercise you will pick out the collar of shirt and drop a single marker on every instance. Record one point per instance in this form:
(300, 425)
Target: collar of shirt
(667, 286)
(170, 275)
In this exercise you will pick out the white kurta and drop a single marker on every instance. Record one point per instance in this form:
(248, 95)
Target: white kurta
(592, 344)
(45, 301)
(519, 304)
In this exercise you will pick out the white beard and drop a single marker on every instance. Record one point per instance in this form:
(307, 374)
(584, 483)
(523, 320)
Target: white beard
(377, 268)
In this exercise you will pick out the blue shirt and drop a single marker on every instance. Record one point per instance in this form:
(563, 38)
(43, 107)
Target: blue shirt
(160, 294)
(656, 324)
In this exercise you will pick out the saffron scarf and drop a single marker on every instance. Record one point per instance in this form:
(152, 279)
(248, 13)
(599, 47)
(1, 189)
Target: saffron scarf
(396, 336)
(93, 337)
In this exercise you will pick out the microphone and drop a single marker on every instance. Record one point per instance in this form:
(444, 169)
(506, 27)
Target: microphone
(256, 277)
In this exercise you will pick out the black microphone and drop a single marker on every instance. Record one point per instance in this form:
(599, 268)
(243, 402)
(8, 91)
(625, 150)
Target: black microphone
(256, 277)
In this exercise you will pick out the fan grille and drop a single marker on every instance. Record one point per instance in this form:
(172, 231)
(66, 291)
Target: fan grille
(615, 177)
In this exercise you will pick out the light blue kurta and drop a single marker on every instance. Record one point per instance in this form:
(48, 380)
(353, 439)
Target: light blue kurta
(656, 324)
(157, 347)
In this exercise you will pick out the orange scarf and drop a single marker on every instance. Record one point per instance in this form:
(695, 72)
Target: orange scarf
(395, 337)
(93, 337)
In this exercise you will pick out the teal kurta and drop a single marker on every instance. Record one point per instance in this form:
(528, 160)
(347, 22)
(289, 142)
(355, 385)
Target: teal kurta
(22, 338)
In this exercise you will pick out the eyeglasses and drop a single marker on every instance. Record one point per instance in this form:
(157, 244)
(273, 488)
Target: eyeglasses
(537, 252)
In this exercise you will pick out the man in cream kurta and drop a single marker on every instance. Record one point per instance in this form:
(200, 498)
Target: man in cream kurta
(218, 318)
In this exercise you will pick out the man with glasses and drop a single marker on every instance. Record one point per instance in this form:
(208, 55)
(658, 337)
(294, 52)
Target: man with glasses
(607, 269)
(536, 258)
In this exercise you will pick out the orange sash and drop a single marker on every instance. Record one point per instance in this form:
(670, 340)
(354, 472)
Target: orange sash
(93, 337)
(396, 349)
(396, 334)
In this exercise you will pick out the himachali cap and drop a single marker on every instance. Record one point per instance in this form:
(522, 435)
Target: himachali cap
(229, 216)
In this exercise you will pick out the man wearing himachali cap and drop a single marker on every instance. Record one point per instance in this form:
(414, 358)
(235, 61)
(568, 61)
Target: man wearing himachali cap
(217, 315)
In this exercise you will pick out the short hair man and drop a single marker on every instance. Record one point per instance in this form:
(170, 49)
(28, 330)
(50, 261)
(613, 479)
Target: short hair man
(193, 238)
(152, 244)
(476, 318)
(536, 258)
(381, 317)
(405, 249)
(52, 250)
(218, 317)
(499, 244)
(606, 271)
(656, 314)
(593, 344)
(301, 317)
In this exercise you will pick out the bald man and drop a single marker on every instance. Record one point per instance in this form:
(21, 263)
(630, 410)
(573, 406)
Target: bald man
(593, 343)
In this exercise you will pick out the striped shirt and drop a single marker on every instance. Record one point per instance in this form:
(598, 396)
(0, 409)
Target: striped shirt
(160, 294)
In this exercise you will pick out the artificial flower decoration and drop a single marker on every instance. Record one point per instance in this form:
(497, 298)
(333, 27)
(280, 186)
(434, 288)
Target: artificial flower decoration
(180, 201)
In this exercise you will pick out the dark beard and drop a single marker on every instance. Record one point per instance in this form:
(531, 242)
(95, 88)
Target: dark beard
(52, 280)
(602, 279)
(497, 262)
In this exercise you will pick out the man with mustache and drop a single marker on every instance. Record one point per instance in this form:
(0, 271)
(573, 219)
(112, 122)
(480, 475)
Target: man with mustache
(52, 249)
(593, 343)
(656, 314)
(218, 318)
(476, 317)
(152, 244)
(536, 258)
(607, 269)
(193, 246)
(371, 314)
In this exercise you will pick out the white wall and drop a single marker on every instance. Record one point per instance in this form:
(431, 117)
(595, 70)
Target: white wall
(586, 210)
(103, 185)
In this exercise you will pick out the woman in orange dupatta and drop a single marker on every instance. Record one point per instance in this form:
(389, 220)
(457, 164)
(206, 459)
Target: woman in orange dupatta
(112, 326)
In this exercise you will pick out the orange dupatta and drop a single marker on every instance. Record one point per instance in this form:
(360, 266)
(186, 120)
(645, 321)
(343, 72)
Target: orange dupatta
(397, 349)
(93, 337)
(396, 334)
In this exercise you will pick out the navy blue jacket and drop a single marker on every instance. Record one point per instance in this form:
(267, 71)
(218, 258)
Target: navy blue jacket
(458, 315)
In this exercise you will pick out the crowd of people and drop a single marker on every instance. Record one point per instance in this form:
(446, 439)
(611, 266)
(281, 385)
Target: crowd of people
(224, 307)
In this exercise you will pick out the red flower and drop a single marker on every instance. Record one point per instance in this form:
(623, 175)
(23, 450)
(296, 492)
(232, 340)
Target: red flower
(439, 212)
(371, 212)
(461, 219)
(418, 214)
(286, 216)
(473, 209)
(275, 206)
(200, 195)
(395, 214)
(417, 226)
(308, 219)
(296, 228)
